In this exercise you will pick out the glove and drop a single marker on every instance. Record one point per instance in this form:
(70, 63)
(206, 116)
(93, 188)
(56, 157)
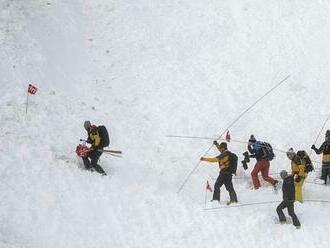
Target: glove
(298, 179)
(202, 159)
(215, 143)
(313, 147)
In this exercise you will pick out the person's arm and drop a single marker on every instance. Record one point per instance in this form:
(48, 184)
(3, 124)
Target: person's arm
(251, 149)
(217, 145)
(319, 150)
(211, 160)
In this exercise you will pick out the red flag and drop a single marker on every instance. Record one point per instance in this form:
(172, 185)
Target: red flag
(208, 187)
(32, 89)
(228, 136)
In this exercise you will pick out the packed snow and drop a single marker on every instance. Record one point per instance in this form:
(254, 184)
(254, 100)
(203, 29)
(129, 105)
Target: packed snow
(148, 70)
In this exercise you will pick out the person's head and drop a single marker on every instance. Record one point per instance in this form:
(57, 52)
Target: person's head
(252, 139)
(223, 147)
(290, 153)
(93, 130)
(283, 174)
(87, 125)
(327, 135)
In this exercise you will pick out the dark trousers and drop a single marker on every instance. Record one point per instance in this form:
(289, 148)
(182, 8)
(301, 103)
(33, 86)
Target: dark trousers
(325, 172)
(226, 179)
(92, 163)
(290, 206)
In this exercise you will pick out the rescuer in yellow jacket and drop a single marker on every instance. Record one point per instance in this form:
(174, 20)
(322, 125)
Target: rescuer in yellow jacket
(299, 172)
(91, 162)
(227, 169)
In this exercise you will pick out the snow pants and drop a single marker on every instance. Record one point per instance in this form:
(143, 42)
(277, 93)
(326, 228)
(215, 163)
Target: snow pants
(226, 179)
(263, 167)
(298, 190)
(290, 206)
(92, 163)
(325, 172)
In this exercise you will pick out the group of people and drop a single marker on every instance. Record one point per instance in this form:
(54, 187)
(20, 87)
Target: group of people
(292, 185)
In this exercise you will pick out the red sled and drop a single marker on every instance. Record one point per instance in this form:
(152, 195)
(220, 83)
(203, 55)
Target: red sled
(82, 151)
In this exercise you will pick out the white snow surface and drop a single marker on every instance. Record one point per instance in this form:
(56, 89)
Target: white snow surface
(148, 69)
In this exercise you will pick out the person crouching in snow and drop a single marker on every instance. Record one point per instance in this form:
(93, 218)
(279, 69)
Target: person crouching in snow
(227, 169)
(288, 199)
(96, 149)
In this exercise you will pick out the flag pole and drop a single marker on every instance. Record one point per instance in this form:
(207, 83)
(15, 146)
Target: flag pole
(205, 197)
(27, 102)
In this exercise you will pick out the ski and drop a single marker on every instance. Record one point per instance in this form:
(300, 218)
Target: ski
(233, 205)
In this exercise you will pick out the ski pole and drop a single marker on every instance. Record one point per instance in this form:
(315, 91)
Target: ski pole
(262, 203)
(115, 155)
(232, 140)
(317, 200)
(230, 125)
(205, 197)
(243, 205)
(110, 151)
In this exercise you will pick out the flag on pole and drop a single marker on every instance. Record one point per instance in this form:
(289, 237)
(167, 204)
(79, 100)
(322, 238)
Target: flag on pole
(228, 136)
(208, 187)
(32, 89)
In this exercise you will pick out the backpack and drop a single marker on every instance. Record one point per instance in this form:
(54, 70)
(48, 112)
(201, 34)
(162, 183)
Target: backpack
(232, 163)
(268, 151)
(305, 160)
(103, 132)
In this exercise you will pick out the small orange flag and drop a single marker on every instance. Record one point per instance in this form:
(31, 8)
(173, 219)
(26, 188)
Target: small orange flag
(208, 187)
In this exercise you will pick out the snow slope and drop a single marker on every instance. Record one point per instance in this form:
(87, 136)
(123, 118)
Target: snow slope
(148, 69)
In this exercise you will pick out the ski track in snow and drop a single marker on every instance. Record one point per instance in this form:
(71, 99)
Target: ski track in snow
(146, 70)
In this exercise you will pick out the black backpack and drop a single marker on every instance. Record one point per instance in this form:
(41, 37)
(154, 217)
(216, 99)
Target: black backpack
(103, 132)
(305, 160)
(268, 151)
(232, 163)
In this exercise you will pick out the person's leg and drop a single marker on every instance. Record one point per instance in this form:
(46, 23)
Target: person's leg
(265, 172)
(298, 190)
(294, 217)
(230, 188)
(217, 185)
(94, 159)
(87, 163)
(254, 175)
(324, 173)
(327, 172)
(279, 211)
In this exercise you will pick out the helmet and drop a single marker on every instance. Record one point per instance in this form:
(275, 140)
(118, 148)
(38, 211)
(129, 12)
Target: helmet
(223, 145)
(252, 139)
(327, 134)
(290, 153)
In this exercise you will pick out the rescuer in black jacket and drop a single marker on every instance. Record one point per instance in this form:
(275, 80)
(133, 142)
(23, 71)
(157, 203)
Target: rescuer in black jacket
(288, 199)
